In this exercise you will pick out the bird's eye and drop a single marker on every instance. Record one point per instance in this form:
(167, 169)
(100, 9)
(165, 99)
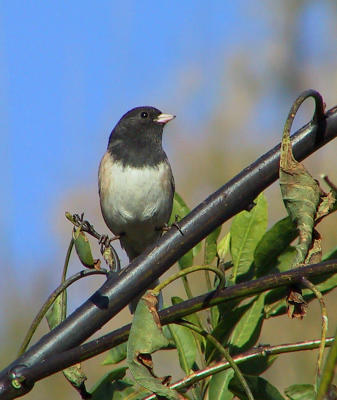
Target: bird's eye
(144, 114)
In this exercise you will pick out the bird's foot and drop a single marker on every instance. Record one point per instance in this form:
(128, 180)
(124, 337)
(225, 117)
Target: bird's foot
(105, 240)
(167, 227)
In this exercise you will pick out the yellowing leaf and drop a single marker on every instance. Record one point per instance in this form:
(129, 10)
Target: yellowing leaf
(146, 337)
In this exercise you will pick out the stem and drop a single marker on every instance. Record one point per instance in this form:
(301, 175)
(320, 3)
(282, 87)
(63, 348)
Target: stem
(318, 113)
(189, 270)
(331, 185)
(63, 279)
(208, 281)
(324, 314)
(187, 287)
(329, 371)
(52, 297)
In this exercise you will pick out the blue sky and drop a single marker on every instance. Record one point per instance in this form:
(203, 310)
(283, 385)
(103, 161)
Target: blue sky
(69, 70)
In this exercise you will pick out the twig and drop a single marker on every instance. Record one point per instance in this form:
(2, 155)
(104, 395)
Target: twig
(252, 354)
(85, 225)
(328, 372)
(327, 180)
(324, 314)
(189, 270)
(52, 297)
(63, 279)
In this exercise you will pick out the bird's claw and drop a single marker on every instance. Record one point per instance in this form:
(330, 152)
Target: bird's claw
(167, 227)
(105, 240)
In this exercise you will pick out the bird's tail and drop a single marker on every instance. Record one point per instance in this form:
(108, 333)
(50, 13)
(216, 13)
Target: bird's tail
(132, 254)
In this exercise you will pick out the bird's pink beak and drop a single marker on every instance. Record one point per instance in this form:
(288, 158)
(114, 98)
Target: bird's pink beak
(164, 118)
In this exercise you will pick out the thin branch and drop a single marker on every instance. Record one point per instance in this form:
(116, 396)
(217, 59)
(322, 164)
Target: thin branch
(63, 279)
(329, 183)
(189, 270)
(251, 354)
(324, 329)
(328, 372)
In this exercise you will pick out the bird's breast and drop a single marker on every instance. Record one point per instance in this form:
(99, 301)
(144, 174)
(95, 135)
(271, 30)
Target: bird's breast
(134, 198)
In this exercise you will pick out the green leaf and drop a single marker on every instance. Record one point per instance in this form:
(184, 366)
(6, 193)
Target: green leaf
(326, 285)
(211, 246)
(247, 331)
(222, 331)
(186, 260)
(113, 375)
(300, 392)
(179, 211)
(192, 318)
(215, 316)
(54, 316)
(186, 346)
(330, 255)
(272, 244)
(261, 389)
(75, 375)
(83, 248)
(116, 355)
(257, 366)
(223, 246)
(167, 334)
(112, 387)
(218, 385)
(246, 231)
(285, 260)
(328, 373)
(145, 338)
(118, 390)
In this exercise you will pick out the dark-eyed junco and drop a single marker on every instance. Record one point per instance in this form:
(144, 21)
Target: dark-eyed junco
(136, 184)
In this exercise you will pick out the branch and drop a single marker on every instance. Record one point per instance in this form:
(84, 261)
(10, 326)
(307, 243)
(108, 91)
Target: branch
(251, 354)
(237, 195)
(58, 362)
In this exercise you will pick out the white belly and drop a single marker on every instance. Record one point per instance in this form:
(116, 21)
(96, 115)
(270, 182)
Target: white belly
(135, 201)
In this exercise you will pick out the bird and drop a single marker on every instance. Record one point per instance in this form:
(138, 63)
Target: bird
(136, 184)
